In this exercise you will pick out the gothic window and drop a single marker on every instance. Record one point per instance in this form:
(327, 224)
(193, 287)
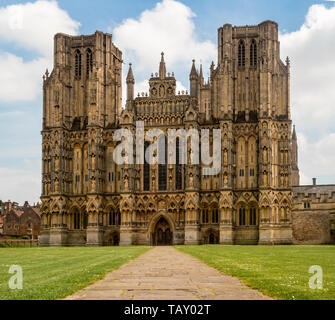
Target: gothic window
(162, 164)
(307, 205)
(205, 215)
(77, 65)
(146, 171)
(252, 216)
(252, 172)
(241, 54)
(112, 218)
(178, 168)
(253, 53)
(215, 215)
(76, 220)
(85, 220)
(89, 61)
(242, 215)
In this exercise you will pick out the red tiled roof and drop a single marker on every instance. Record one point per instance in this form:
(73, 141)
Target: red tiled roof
(37, 211)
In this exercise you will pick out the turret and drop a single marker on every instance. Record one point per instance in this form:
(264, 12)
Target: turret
(162, 68)
(194, 80)
(130, 84)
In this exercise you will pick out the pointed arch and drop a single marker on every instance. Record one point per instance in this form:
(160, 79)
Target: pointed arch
(241, 54)
(253, 53)
(89, 61)
(77, 63)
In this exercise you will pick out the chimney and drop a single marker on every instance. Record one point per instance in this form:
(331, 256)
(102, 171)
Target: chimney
(314, 181)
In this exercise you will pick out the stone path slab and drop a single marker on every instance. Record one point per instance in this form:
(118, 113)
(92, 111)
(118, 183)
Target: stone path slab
(164, 273)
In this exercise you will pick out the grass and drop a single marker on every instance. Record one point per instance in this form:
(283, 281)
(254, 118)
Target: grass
(54, 273)
(278, 271)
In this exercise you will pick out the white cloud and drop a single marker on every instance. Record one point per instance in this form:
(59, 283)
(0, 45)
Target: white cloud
(312, 52)
(167, 27)
(20, 185)
(20, 80)
(30, 26)
(316, 158)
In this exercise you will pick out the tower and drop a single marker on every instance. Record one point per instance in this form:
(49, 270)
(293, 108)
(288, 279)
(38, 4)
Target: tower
(251, 101)
(81, 98)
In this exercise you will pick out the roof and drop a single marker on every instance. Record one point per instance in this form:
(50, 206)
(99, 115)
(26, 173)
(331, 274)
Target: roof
(37, 211)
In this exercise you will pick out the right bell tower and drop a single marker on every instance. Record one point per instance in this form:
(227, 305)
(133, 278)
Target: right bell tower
(251, 101)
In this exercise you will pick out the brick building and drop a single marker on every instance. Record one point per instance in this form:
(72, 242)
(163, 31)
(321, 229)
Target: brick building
(21, 220)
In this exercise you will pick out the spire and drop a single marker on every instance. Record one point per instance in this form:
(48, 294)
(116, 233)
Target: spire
(162, 68)
(193, 81)
(201, 76)
(294, 135)
(194, 73)
(130, 86)
(130, 76)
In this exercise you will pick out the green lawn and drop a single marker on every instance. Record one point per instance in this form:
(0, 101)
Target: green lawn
(53, 273)
(278, 271)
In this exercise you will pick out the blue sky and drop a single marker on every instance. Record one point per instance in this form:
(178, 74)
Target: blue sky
(307, 36)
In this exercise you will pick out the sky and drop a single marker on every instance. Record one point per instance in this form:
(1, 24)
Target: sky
(184, 30)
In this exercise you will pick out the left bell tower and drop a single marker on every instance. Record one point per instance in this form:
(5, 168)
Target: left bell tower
(82, 97)
(85, 84)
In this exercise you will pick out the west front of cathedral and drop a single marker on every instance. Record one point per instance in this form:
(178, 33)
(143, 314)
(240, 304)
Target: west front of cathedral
(88, 199)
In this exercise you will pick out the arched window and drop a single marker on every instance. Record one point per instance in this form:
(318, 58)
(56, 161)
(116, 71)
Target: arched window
(113, 218)
(253, 53)
(178, 167)
(85, 220)
(89, 61)
(242, 217)
(241, 54)
(77, 64)
(76, 220)
(215, 215)
(252, 216)
(146, 170)
(205, 215)
(162, 163)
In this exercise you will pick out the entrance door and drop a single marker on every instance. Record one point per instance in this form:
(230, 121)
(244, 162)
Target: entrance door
(211, 238)
(162, 235)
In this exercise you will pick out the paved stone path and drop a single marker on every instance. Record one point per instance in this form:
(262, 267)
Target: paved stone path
(165, 273)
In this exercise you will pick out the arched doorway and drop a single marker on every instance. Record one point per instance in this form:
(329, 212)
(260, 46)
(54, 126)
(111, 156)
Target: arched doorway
(162, 235)
(211, 238)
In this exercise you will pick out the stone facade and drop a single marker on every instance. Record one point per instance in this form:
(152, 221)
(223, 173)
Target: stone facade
(89, 200)
(313, 214)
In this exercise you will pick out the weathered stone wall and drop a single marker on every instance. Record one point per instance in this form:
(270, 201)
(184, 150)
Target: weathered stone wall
(311, 227)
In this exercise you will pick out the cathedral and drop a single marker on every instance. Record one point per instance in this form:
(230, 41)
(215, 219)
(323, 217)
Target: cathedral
(88, 199)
